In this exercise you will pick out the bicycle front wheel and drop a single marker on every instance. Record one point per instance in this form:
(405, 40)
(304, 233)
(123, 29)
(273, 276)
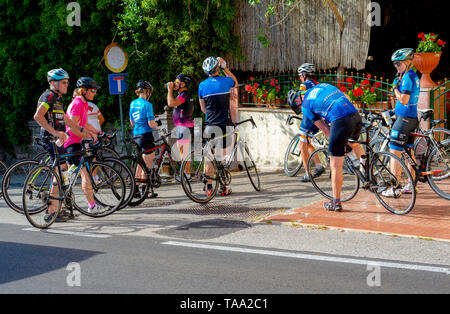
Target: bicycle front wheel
(107, 188)
(438, 167)
(13, 183)
(392, 183)
(319, 170)
(251, 169)
(142, 187)
(42, 197)
(3, 169)
(292, 160)
(203, 172)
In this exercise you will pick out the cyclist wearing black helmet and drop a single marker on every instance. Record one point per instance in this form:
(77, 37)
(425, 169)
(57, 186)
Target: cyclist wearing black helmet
(182, 114)
(142, 120)
(77, 112)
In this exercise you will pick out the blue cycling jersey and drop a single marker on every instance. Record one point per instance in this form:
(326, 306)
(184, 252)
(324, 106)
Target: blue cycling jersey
(141, 111)
(307, 126)
(410, 85)
(215, 91)
(326, 101)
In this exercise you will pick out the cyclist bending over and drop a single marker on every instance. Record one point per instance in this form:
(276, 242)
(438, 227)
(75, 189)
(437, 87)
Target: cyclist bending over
(327, 102)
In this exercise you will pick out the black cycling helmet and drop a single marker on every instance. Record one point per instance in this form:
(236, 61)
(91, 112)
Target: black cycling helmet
(295, 100)
(143, 84)
(184, 78)
(87, 82)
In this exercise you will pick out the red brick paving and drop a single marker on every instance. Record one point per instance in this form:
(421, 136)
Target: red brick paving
(430, 217)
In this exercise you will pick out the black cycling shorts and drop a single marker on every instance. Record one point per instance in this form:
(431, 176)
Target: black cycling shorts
(48, 146)
(184, 134)
(74, 160)
(400, 133)
(146, 142)
(213, 131)
(341, 130)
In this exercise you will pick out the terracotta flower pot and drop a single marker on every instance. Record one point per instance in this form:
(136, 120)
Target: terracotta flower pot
(426, 63)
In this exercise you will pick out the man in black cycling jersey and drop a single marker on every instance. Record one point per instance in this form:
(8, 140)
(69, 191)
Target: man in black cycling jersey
(52, 119)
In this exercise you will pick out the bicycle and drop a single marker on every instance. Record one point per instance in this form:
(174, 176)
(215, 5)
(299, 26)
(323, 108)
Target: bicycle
(292, 158)
(201, 168)
(152, 179)
(376, 177)
(3, 169)
(44, 185)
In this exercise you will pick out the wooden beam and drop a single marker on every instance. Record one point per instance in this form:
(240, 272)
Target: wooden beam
(337, 14)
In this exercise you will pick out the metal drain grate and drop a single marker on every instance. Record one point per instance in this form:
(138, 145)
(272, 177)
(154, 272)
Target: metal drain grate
(230, 210)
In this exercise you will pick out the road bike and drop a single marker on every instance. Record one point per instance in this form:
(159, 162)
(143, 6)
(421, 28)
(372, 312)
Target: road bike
(375, 176)
(151, 178)
(3, 169)
(44, 190)
(200, 167)
(292, 157)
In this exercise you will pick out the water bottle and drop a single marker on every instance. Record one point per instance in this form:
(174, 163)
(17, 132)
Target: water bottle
(66, 175)
(363, 164)
(71, 171)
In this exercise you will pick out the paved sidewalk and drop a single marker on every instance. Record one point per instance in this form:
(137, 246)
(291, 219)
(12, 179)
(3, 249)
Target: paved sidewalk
(430, 218)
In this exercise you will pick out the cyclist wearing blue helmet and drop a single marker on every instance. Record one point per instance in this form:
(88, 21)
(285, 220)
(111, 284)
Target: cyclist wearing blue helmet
(406, 88)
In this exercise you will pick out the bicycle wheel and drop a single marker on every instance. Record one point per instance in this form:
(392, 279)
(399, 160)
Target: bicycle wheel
(420, 144)
(320, 160)
(109, 152)
(292, 160)
(127, 175)
(3, 169)
(108, 190)
(142, 186)
(204, 171)
(438, 165)
(42, 197)
(388, 187)
(13, 182)
(250, 167)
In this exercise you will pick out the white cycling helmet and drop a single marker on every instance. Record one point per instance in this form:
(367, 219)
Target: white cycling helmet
(306, 68)
(210, 65)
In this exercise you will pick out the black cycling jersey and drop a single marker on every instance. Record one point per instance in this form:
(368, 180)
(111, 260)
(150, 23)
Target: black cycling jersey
(55, 111)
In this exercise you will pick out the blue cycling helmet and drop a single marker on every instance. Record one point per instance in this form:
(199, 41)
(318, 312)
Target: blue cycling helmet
(57, 75)
(210, 65)
(403, 54)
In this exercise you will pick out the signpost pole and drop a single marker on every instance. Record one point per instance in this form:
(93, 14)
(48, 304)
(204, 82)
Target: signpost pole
(121, 117)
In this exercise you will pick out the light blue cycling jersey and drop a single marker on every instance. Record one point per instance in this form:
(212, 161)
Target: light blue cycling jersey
(410, 85)
(326, 101)
(307, 125)
(141, 111)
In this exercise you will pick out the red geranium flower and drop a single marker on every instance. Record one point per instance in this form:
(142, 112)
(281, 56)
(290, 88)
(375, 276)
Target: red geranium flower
(343, 89)
(421, 36)
(248, 88)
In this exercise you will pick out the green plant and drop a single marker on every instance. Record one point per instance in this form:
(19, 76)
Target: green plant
(362, 92)
(430, 43)
(266, 91)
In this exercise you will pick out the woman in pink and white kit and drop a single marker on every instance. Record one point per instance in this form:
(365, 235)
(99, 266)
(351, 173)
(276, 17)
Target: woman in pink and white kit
(78, 113)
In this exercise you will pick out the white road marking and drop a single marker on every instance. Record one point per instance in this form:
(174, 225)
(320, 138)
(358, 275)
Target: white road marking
(74, 233)
(314, 257)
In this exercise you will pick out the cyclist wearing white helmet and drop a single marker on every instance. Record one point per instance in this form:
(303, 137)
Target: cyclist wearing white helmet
(214, 98)
(307, 127)
(406, 88)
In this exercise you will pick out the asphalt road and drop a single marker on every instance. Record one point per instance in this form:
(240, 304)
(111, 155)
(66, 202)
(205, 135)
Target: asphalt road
(172, 246)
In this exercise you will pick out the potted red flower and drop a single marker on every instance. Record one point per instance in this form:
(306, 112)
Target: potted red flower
(427, 57)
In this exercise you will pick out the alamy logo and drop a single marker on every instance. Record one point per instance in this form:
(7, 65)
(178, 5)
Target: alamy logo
(74, 17)
(73, 279)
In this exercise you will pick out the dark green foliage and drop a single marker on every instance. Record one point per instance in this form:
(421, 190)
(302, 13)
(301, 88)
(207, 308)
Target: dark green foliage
(162, 38)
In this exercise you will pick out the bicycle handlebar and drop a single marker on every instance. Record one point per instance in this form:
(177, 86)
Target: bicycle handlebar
(289, 119)
(244, 121)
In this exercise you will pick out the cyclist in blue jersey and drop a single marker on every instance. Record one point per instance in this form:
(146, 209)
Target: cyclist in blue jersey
(307, 127)
(143, 121)
(325, 104)
(214, 98)
(406, 88)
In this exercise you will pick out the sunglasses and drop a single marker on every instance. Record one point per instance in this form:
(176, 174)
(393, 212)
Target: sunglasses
(397, 63)
(93, 91)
